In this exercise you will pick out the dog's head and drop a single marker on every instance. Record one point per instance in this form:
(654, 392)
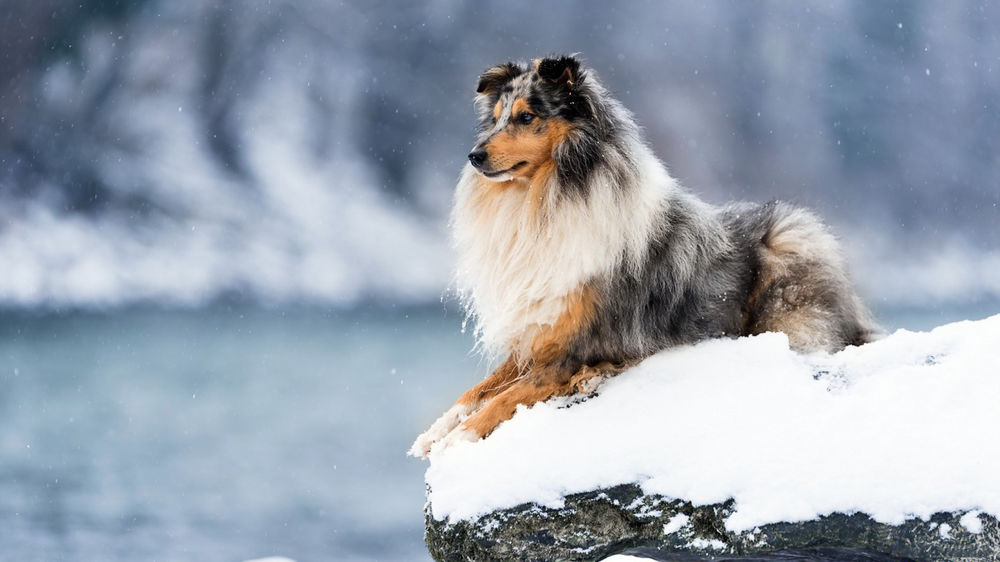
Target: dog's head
(536, 119)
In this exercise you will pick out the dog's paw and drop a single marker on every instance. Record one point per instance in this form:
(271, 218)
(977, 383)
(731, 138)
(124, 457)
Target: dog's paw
(457, 435)
(588, 386)
(438, 430)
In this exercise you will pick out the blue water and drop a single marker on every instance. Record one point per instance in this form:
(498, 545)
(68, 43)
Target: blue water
(220, 434)
(232, 432)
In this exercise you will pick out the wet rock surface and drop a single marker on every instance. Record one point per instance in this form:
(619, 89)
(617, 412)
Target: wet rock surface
(597, 524)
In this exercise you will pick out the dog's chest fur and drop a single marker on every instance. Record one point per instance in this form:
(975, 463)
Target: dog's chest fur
(519, 260)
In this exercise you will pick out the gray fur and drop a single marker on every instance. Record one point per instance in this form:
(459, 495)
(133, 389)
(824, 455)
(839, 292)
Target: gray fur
(697, 284)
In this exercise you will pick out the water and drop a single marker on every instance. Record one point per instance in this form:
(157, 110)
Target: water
(220, 434)
(232, 432)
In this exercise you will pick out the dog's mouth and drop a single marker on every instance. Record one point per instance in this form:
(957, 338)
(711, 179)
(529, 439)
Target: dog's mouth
(497, 174)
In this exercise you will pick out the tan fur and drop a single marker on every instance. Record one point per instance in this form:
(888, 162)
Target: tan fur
(545, 375)
(502, 407)
(552, 342)
(532, 143)
(528, 392)
(519, 106)
(502, 378)
(542, 176)
(525, 378)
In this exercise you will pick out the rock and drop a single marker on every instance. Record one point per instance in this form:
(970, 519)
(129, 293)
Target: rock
(740, 447)
(597, 524)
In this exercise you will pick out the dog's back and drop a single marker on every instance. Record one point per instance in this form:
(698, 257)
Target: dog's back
(740, 270)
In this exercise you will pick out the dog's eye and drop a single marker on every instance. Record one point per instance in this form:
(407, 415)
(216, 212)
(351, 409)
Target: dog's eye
(525, 118)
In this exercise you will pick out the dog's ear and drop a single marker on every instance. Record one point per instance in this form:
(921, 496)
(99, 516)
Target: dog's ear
(561, 71)
(492, 79)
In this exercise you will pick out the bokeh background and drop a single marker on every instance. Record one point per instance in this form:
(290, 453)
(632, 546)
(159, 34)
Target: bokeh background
(223, 231)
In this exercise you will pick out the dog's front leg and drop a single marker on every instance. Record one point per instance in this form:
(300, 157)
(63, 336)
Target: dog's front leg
(502, 377)
(528, 391)
(537, 386)
(540, 384)
(552, 365)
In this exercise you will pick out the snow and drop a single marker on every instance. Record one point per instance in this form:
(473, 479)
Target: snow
(972, 522)
(944, 531)
(900, 428)
(676, 523)
(714, 544)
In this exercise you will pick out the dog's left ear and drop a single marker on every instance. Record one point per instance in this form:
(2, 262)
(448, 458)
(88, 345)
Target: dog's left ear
(561, 71)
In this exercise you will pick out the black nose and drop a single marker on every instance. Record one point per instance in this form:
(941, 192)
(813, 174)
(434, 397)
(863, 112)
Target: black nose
(477, 157)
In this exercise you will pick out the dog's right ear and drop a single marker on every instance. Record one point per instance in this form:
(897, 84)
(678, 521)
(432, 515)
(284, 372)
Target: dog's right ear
(561, 71)
(494, 78)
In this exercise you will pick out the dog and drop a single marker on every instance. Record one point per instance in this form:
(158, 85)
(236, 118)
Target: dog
(579, 255)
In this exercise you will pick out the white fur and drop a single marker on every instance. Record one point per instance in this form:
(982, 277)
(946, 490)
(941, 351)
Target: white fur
(457, 435)
(440, 428)
(515, 267)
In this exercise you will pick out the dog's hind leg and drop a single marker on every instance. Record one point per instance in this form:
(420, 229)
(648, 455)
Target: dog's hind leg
(809, 326)
(499, 380)
(802, 287)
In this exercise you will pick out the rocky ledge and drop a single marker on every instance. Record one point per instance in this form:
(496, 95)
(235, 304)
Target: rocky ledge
(594, 525)
(737, 447)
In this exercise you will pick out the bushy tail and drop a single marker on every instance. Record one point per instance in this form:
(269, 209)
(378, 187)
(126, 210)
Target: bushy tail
(805, 289)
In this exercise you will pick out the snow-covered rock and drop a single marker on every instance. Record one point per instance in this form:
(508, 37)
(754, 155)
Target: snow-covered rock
(736, 446)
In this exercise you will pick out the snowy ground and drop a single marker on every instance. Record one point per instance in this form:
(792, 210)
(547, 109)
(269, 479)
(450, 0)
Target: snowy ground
(899, 428)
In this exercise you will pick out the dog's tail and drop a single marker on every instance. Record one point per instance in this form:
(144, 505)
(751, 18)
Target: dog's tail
(804, 275)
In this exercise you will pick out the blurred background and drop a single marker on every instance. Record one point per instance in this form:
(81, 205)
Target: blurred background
(223, 244)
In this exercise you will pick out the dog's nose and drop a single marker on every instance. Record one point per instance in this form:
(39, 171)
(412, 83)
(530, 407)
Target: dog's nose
(478, 157)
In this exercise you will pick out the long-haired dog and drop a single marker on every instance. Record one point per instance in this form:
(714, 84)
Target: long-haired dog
(580, 255)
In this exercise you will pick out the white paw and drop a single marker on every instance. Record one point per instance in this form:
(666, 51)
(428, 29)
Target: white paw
(457, 435)
(440, 428)
(590, 385)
